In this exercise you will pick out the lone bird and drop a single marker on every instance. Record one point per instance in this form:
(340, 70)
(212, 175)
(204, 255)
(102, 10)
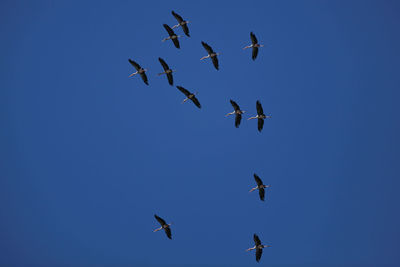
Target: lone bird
(182, 23)
(164, 226)
(255, 45)
(172, 36)
(260, 116)
(211, 54)
(238, 113)
(139, 70)
(190, 96)
(260, 186)
(258, 247)
(167, 71)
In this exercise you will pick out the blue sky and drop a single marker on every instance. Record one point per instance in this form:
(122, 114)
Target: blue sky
(88, 155)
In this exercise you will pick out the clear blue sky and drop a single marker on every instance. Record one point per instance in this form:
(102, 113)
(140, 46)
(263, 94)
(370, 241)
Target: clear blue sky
(88, 155)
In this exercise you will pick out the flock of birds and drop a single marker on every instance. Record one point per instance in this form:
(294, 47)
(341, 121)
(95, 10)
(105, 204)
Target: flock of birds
(192, 96)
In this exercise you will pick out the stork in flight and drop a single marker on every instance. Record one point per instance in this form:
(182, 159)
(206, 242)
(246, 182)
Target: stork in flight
(211, 54)
(172, 36)
(167, 71)
(164, 226)
(182, 23)
(238, 113)
(139, 70)
(260, 116)
(190, 96)
(260, 186)
(258, 247)
(255, 45)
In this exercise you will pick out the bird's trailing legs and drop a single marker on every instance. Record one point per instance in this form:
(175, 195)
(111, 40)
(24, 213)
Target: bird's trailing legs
(165, 72)
(158, 229)
(133, 74)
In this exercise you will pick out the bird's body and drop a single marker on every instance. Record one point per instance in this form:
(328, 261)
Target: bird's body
(139, 70)
(258, 247)
(182, 23)
(164, 226)
(254, 45)
(167, 71)
(190, 96)
(172, 36)
(260, 116)
(213, 55)
(238, 113)
(260, 186)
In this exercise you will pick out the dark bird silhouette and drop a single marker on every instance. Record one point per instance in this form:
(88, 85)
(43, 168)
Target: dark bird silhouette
(255, 45)
(167, 71)
(260, 116)
(164, 226)
(260, 186)
(238, 113)
(172, 36)
(139, 70)
(182, 23)
(258, 247)
(211, 54)
(190, 96)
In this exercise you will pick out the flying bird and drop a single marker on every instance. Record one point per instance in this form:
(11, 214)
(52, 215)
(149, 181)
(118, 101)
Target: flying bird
(211, 54)
(238, 113)
(172, 36)
(164, 226)
(260, 186)
(255, 45)
(167, 71)
(258, 247)
(139, 70)
(182, 23)
(190, 96)
(260, 116)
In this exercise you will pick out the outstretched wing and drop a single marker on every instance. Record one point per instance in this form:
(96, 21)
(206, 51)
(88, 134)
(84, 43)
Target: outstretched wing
(258, 254)
(258, 180)
(207, 48)
(176, 42)
(254, 53)
(260, 110)
(183, 90)
(257, 240)
(260, 124)
(134, 64)
(144, 78)
(196, 101)
(169, 30)
(261, 192)
(164, 64)
(235, 105)
(185, 29)
(170, 79)
(168, 232)
(160, 220)
(238, 119)
(215, 61)
(253, 38)
(178, 18)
